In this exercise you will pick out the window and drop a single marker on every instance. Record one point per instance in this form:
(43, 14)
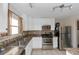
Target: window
(14, 26)
(14, 23)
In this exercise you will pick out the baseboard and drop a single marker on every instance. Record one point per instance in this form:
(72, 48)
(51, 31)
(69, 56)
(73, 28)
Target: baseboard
(43, 49)
(48, 49)
(37, 49)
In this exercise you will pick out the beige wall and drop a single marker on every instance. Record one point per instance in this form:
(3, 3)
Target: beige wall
(3, 16)
(25, 22)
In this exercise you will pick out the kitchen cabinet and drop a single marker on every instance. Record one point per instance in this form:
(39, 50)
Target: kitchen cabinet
(55, 42)
(37, 42)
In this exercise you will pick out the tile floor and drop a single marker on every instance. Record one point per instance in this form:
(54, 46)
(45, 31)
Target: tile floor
(48, 52)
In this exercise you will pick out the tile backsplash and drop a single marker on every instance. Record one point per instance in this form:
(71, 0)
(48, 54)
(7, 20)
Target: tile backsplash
(3, 34)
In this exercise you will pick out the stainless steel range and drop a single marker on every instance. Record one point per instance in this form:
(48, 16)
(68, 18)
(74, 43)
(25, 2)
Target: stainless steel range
(47, 37)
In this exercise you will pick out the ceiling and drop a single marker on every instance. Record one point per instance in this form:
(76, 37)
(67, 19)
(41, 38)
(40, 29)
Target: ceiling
(45, 10)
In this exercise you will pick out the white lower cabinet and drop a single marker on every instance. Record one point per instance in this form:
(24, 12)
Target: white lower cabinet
(55, 42)
(36, 42)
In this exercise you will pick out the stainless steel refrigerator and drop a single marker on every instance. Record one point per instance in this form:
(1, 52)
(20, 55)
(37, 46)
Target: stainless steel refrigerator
(67, 37)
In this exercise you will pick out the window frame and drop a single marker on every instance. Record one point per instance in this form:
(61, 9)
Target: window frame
(20, 22)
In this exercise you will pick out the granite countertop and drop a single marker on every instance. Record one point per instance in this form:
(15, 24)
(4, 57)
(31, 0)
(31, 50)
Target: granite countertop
(5, 50)
(22, 45)
(73, 51)
(21, 42)
(8, 37)
(14, 51)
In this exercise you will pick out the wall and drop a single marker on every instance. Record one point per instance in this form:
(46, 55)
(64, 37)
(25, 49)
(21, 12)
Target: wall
(77, 32)
(3, 16)
(25, 22)
(37, 23)
(0, 17)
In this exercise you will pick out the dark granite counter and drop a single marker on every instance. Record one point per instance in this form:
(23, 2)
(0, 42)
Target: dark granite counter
(8, 43)
(19, 42)
(72, 51)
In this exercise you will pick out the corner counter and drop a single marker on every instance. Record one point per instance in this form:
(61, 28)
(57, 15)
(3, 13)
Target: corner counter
(72, 51)
(9, 43)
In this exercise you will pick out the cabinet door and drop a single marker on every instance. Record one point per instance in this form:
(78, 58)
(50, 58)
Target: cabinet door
(55, 42)
(37, 42)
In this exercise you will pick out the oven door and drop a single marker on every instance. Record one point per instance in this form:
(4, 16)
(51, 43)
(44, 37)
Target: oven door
(47, 40)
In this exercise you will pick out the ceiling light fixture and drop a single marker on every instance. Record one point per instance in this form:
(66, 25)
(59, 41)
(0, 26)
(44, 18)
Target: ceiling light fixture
(30, 4)
(62, 6)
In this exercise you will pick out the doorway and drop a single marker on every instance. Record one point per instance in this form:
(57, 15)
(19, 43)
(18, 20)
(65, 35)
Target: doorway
(78, 32)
